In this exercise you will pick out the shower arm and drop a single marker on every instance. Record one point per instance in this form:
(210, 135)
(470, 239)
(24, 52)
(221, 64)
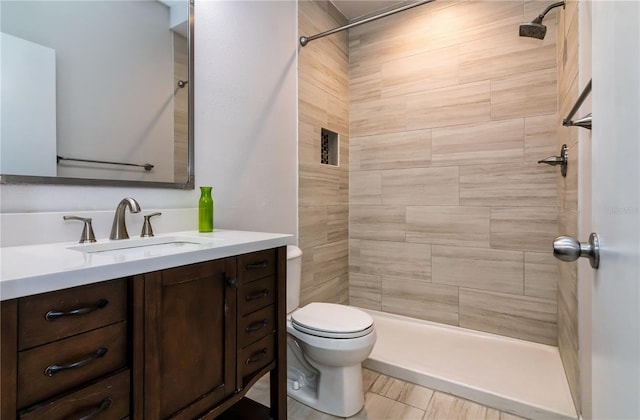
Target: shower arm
(304, 40)
(547, 10)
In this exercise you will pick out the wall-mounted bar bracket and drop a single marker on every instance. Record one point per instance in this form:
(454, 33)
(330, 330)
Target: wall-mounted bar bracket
(562, 160)
(584, 122)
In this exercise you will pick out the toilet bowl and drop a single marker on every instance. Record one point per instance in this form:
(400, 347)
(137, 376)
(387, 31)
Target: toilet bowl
(326, 345)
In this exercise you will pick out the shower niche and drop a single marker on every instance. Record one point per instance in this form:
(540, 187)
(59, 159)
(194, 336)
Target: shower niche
(329, 146)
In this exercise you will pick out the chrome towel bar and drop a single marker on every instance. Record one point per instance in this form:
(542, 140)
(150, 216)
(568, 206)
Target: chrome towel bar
(146, 166)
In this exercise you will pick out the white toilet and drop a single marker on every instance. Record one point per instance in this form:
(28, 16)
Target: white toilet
(326, 345)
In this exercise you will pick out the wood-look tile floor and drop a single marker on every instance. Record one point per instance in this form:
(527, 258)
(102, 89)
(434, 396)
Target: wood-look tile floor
(387, 398)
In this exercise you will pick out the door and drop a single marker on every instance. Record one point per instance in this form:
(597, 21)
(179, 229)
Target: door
(189, 339)
(616, 209)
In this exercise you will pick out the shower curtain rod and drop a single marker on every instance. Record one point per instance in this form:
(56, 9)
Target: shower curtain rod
(304, 40)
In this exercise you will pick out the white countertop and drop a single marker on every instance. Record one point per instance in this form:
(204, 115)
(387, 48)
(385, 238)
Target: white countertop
(33, 269)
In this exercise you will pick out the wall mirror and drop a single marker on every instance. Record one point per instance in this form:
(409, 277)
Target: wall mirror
(97, 92)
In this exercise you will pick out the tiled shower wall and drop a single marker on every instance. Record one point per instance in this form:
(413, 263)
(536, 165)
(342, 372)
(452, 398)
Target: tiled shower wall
(450, 217)
(568, 91)
(323, 102)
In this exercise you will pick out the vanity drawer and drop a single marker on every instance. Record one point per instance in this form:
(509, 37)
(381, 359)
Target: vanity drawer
(107, 399)
(256, 356)
(51, 369)
(256, 294)
(256, 325)
(256, 265)
(52, 316)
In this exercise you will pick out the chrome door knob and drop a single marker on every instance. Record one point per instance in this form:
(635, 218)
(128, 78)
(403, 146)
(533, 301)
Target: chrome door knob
(566, 248)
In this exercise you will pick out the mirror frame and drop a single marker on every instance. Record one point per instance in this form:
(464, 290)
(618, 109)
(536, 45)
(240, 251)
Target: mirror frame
(188, 185)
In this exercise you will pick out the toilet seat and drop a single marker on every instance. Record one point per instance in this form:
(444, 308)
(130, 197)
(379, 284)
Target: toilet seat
(331, 320)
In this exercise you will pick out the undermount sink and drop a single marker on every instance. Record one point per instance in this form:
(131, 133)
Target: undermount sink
(145, 246)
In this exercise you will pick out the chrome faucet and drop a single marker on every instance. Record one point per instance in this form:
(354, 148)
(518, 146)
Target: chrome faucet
(119, 227)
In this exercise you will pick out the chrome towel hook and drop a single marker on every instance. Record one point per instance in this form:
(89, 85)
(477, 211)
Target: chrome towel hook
(562, 160)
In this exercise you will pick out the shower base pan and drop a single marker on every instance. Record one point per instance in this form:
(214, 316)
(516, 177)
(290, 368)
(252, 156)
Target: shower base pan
(520, 377)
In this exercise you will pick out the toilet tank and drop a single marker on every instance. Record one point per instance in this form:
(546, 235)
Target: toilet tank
(294, 272)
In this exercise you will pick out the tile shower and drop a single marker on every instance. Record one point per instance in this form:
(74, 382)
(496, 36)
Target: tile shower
(443, 112)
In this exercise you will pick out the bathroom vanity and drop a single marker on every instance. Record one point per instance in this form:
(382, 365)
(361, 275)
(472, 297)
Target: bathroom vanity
(183, 335)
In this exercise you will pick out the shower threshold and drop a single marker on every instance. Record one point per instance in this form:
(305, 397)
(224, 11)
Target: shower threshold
(517, 376)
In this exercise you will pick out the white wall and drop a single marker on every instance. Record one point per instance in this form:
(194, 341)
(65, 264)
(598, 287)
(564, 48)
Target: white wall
(245, 130)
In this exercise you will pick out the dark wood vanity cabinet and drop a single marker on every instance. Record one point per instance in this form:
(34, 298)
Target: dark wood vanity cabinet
(181, 343)
(65, 354)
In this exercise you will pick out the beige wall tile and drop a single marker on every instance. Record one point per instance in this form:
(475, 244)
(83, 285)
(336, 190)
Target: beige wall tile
(365, 291)
(417, 299)
(364, 81)
(338, 223)
(323, 193)
(420, 186)
(313, 103)
(522, 317)
(541, 137)
(518, 184)
(523, 228)
(420, 72)
(312, 224)
(318, 185)
(354, 255)
(331, 260)
(569, 57)
(395, 150)
(483, 143)
(448, 225)
(505, 54)
(386, 115)
(477, 268)
(541, 275)
(469, 21)
(568, 339)
(394, 37)
(396, 259)
(338, 115)
(383, 223)
(308, 143)
(366, 187)
(525, 94)
(460, 104)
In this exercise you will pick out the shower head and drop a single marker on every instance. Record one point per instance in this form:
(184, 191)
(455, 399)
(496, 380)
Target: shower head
(535, 28)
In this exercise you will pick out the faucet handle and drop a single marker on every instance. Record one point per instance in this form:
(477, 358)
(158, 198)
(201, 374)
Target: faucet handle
(87, 231)
(147, 231)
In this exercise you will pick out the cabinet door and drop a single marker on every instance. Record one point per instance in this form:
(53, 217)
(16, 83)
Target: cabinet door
(190, 337)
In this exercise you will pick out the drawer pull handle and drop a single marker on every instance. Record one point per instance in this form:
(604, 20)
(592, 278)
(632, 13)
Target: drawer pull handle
(257, 266)
(256, 326)
(261, 294)
(53, 369)
(256, 357)
(104, 406)
(52, 315)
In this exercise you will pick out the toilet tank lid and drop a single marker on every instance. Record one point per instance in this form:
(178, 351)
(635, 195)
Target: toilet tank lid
(293, 252)
(331, 317)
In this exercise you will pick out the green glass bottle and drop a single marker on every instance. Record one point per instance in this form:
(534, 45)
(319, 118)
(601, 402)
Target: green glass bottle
(205, 210)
